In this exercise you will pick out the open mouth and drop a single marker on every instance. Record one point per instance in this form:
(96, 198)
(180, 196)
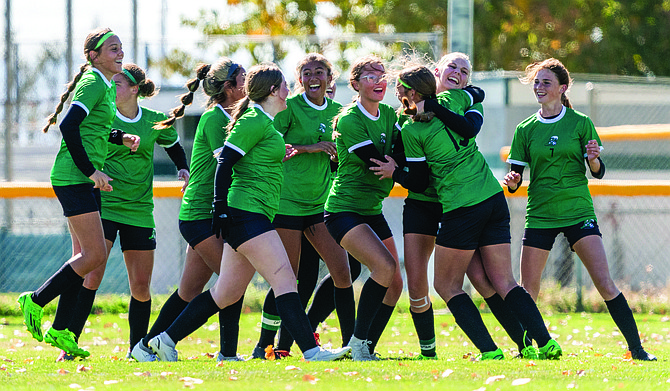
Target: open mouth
(314, 87)
(453, 80)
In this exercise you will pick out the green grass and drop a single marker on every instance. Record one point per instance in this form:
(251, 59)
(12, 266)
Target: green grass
(593, 359)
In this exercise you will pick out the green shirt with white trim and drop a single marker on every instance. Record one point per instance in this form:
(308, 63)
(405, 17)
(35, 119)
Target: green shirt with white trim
(196, 204)
(258, 175)
(131, 202)
(307, 176)
(356, 188)
(97, 96)
(554, 150)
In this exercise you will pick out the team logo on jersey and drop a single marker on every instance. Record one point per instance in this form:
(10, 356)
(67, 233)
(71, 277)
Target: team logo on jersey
(322, 127)
(383, 138)
(553, 140)
(589, 224)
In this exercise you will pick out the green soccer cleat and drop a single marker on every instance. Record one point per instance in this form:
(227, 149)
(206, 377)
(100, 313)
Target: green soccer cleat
(494, 355)
(64, 340)
(32, 315)
(530, 353)
(551, 351)
(421, 357)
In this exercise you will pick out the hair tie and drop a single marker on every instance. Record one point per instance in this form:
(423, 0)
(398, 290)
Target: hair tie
(129, 76)
(103, 39)
(404, 84)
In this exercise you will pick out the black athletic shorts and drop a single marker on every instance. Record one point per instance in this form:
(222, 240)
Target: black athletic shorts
(297, 223)
(78, 199)
(338, 224)
(480, 225)
(195, 231)
(543, 238)
(421, 217)
(244, 226)
(131, 237)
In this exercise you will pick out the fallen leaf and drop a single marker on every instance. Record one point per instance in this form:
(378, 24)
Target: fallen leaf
(233, 372)
(82, 368)
(520, 382)
(566, 373)
(269, 353)
(191, 380)
(531, 363)
(75, 386)
(292, 368)
(493, 379)
(107, 382)
(398, 377)
(329, 370)
(20, 370)
(447, 372)
(145, 374)
(627, 355)
(233, 378)
(63, 371)
(581, 372)
(354, 373)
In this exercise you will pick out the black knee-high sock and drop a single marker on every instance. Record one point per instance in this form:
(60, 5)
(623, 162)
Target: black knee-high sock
(525, 310)
(270, 321)
(308, 275)
(424, 323)
(371, 298)
(623, 317)
(378, 325)
(170, 311)
(346, 312)
(470, 321)
(67, 305)
(82, 310)
(139, 313)
(229, 330)
(293, 316)
(196, 313)
(64, 278)
(508, 321)
(323, 303)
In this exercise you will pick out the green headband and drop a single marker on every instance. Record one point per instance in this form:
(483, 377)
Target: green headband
(103, 39)
(404, 84)
(130, 76)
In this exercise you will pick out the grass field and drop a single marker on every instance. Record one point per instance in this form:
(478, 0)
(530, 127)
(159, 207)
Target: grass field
(594, 359)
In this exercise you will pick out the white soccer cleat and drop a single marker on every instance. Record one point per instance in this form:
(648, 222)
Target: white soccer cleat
(221, 358)
(164, 347)
(141, 353)
(326, 354)
(360, 350)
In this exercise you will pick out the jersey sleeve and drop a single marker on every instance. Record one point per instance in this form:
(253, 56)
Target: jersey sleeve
(588, 133)
(88, 93)
(413, 149)
(282, 121)
(518, 153)
(353, 132)
(247, 133)
(168, 136)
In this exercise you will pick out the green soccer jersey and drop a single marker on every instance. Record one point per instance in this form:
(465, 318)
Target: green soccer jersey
(460, 173)
(307, 176)
(196, 204)
(356, 188)
(258, 175)
(132, 202)
(554, 149)
(96, 95)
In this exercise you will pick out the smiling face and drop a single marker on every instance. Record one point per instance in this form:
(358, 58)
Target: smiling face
(372, 83)
(453, 75)
(315, 79)
(547, 88)
(124, 91)
(109, 58)
(282, 93)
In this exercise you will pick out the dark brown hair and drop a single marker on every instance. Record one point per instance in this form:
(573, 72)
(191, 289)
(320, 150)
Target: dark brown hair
(261, 81)
(146, 87)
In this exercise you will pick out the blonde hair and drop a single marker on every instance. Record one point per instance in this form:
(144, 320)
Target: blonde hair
(90, 44)
(447, 58)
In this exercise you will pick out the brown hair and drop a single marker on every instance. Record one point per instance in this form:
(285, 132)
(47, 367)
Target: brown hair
(214, 78)
(90, 44)
(146, 87)
(357, 68)
(261, 81)
(318, 57)
(557, 68)
(421, 80)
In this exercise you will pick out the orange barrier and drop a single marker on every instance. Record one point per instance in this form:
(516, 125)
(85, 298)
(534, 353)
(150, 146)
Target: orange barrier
(621, 133)
(617, 188)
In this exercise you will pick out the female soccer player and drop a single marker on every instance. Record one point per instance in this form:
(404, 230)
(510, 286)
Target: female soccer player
(307, 126)
(77, 181)
(474, 216)
(128, 210)
(223, 82)
(366, 129)
(246, 198)
(554, 143)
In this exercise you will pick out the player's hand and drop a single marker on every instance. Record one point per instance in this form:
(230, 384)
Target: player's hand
(101, 181)
(512, 180)
(183, 175)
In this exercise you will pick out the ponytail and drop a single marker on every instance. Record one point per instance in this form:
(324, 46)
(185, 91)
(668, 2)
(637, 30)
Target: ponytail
(566, 101)
(238, 111)
(186, 99)
(51, 120)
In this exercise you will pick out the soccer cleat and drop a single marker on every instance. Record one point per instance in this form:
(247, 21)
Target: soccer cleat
(494, 355)
(530, 353)
(141, 353)
(326, 354)
(421, 357)
(641, 354)
(551, 351)
(64, 356)
(64, 340)
(360, 350)
(32, 315)
(269, 353)
(222, 358)
(164, 347)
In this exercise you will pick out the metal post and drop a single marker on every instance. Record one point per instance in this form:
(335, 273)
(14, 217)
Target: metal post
(9, 84)
(460, 27)
(68, 37)
(135, 42)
